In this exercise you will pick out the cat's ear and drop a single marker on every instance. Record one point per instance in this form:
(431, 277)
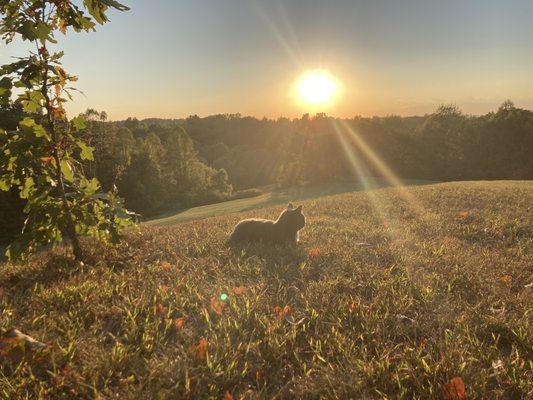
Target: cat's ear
(299, 208)
(290, 206)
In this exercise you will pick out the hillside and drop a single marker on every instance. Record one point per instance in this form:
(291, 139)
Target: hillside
(272, 198)
(390, 294)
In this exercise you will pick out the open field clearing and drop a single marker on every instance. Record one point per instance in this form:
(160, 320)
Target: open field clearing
(397, 293)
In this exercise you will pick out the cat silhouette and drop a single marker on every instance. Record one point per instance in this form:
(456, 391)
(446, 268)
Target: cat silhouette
(283, 230)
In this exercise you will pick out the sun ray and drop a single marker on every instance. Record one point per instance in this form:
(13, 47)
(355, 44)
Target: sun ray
(380, 209)
(421, 212)
(291, 50)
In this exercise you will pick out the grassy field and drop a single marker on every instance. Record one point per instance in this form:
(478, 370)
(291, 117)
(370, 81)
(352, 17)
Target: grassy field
(268, 199)
(391, 295)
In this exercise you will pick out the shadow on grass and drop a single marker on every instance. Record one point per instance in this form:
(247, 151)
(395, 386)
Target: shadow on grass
(44, 268)
(287, 264)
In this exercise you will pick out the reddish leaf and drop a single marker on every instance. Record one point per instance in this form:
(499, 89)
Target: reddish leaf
(454, 389)
(165, 265)
(164, 289)
(217, 305)
(199, 350)
(506, 279)
(227, 395)
(354, 306)
(179, 323)
(161, 310)
(464, 214)
(281, 312)
(7, 344)
(239, 290)
(313, 253)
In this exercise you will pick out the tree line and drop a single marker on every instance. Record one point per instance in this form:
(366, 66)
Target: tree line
(160, 165)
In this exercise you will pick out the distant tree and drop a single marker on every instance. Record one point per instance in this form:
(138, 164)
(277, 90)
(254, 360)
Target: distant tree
(41, 155)
(441, 138)
(142, 184)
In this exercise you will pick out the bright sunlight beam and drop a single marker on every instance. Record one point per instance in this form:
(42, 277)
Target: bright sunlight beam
(316, 88)
(420, 211)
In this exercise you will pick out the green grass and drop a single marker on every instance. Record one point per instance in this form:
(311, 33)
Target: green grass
(271, 198)
(442, 290)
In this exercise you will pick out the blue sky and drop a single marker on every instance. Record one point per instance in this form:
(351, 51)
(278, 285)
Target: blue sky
(174, 58)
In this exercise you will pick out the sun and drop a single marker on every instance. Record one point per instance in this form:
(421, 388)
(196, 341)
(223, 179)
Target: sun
(316, 88)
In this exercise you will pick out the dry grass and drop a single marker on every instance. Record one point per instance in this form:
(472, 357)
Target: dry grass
(442, 290)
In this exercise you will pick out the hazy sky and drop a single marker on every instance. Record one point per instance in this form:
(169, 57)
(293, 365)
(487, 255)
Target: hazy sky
(174, 58)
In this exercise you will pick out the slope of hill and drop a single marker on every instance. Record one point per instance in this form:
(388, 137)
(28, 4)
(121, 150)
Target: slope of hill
(271, 198)
(391, 294)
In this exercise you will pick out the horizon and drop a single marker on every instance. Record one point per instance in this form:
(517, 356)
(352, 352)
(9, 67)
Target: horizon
(312, 115)
(243, 57)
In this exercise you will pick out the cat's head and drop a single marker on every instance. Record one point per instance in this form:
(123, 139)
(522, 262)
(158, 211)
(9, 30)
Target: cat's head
(292, 217)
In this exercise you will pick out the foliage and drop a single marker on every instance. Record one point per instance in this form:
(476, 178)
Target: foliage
(41, 156)
(426, 310)
(444, 145)
(156, 168)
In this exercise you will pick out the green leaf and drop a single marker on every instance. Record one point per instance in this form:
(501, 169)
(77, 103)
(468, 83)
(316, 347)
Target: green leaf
(66, 170)
(31, 101)
(115, 4)
(86, 151)
(5, 90)
(78, 122)
(97, 10)
(29, 183)
(36, 31)
(56, 56)
(4, 185)
(13, 251)
(90, 187)
(44, 32)
(30, 127)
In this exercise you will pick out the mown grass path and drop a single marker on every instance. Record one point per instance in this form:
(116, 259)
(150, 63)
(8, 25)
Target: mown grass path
(390, 295)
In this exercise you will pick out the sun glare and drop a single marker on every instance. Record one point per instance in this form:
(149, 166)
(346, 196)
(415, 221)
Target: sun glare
(316, 88)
